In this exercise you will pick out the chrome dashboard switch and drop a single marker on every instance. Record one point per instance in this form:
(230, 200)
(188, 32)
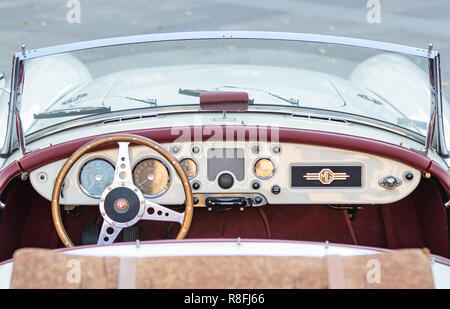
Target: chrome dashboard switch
(389, 182)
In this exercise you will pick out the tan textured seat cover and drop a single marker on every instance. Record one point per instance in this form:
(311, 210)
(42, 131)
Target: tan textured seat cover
(41, 268)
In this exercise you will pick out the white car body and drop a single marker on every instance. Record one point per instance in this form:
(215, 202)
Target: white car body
(378, 77)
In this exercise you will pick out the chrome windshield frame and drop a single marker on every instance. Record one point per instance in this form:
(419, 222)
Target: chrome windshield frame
(15, 135)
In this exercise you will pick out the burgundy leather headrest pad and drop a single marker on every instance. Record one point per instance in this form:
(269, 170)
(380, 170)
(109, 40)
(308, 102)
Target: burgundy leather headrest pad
(224, 101)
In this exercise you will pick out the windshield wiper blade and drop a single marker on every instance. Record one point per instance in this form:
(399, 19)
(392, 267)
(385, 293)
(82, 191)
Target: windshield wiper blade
(290, 100)
(84, 97)
(73, 112)
(191, 92)
(149, 101)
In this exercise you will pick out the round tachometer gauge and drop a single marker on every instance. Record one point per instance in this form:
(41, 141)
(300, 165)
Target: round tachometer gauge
(95, 176)
(152, 177)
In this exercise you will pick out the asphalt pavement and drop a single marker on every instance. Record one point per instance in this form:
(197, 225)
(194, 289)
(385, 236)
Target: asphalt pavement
(42, 23)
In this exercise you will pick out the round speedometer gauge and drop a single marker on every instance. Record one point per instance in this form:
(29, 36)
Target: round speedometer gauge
(95, 176)
(152, 177)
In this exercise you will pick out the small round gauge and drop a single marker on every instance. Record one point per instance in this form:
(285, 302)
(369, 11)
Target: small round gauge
(189, 166)
(95, 176)
(151, 176)
(264, 168)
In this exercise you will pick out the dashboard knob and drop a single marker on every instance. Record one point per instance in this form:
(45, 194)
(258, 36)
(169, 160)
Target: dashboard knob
(255, 149)
(196, 185)
(390, 181)
(175, 149)
(256, 185)
(257, 200)
(225, 181)
(276, 149)
(276, 189)
(409, 176)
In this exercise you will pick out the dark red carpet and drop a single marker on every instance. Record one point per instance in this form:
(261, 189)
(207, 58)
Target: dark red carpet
(416, 221)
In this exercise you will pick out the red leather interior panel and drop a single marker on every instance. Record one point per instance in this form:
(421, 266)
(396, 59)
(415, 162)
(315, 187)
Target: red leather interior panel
(441, 174)
(169, 134)
(8, 173)
(26, 221)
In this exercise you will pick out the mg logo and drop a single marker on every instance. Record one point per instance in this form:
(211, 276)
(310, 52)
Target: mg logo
(326, 176)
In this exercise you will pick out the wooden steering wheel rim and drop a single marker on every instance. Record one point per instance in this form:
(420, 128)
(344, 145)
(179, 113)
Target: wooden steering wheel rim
(135, 139)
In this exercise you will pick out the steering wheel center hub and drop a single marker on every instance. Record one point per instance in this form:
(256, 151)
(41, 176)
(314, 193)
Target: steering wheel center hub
(122, 205)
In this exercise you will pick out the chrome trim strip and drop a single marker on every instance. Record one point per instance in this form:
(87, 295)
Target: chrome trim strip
(208, 35)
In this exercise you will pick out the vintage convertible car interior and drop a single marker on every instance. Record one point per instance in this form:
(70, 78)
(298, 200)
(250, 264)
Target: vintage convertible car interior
(225, 137)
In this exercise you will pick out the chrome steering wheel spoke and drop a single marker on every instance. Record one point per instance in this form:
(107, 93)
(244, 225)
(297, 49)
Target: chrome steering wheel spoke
(123, 171)
(108, 234)
(156, 212)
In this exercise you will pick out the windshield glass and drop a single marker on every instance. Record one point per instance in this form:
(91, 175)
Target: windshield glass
(388, 87)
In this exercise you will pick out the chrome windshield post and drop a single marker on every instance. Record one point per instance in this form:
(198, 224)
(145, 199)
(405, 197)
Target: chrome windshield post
(442, 148)
(436, 124)
(14, 131)
(15, 135)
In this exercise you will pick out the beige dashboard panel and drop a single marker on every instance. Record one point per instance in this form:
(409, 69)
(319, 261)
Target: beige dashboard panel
(373, 169)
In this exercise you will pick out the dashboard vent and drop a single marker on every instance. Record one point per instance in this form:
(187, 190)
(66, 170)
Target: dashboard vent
(129, 118)
(321, 117)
